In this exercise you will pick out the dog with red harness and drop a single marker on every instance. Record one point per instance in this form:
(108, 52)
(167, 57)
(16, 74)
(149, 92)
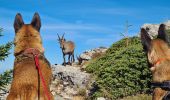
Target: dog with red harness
(32, 72)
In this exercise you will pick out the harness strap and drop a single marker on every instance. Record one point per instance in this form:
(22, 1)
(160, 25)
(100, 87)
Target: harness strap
(163, 85)
(41, 76)
(35, 53)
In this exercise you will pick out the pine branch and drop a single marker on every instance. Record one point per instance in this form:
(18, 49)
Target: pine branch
(4, 50)
(5, 79)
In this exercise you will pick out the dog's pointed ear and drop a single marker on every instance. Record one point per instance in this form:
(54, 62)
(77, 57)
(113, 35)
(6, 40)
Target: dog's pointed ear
(18, 22)
(162, 33)
(146, 40)
(36, 22)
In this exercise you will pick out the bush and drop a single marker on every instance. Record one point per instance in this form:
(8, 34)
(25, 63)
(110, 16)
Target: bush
(122, 71)
(5, 79)
(4, 49)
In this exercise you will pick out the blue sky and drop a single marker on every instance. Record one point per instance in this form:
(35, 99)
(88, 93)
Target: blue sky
(89, 23)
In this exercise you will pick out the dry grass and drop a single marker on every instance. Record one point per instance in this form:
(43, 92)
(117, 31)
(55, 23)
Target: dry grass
(79, 98)
(138, 97)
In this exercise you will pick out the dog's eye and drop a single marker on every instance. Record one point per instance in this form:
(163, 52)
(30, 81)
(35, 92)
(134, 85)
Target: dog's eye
(33, 35)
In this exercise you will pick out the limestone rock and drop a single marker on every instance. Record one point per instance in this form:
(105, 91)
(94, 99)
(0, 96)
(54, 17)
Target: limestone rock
(152, 29)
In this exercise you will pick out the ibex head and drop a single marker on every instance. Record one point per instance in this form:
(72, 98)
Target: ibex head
(61, 40)
(80, 60)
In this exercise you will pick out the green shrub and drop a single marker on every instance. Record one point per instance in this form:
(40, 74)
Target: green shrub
(5, 79)
(122, 71)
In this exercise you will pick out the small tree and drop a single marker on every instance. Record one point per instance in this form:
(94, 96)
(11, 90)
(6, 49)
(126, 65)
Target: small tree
(5, 79)
(125, 34)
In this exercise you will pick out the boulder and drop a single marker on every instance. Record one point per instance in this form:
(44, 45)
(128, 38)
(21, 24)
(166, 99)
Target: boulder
(152, 29)
(69, 80)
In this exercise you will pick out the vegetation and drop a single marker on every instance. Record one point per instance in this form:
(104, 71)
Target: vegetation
(138, 97)
(4, 49)
(6, 77)
(122, 71)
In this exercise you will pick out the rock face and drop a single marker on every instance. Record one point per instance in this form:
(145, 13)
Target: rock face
(69, 81)
(90, 53)
(153, 28)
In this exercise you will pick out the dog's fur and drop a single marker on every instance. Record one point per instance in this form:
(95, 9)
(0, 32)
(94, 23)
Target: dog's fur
(26, 84)
(157, 49)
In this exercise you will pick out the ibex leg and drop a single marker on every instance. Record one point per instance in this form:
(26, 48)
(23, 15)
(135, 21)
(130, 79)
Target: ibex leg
(73, 60)
(64, 63)
(69, 59)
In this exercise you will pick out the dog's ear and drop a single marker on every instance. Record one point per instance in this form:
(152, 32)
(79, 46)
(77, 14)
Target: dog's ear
(36, 22)
(18, 22)
(146, 40)
(162, 34)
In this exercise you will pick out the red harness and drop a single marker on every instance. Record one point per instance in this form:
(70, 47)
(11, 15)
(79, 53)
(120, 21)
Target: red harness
(159, 61)
(36, 53)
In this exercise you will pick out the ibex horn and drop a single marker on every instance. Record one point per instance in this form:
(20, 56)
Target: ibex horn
(58, 36)
(63, 36)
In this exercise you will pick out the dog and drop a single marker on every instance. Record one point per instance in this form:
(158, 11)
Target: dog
(158, 54)
(26, 83)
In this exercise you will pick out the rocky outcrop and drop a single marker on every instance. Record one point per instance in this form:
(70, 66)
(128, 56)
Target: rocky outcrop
(153, 28)
(69, 81)
(90, 54)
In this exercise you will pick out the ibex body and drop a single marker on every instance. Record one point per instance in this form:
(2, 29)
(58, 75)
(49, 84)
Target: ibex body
(67, 48)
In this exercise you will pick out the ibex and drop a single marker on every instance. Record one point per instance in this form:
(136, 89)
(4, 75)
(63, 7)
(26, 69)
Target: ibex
(81, 60)
(67, 48)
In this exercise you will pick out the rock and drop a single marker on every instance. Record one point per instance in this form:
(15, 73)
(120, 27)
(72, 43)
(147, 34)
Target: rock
(153, 28)
(101, 98)
(68, 80)
(89, 53)
(70, 74)
(167, 23)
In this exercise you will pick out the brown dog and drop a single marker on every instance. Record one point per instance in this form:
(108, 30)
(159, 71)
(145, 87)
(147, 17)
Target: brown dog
(27, 84)
(158, 54)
